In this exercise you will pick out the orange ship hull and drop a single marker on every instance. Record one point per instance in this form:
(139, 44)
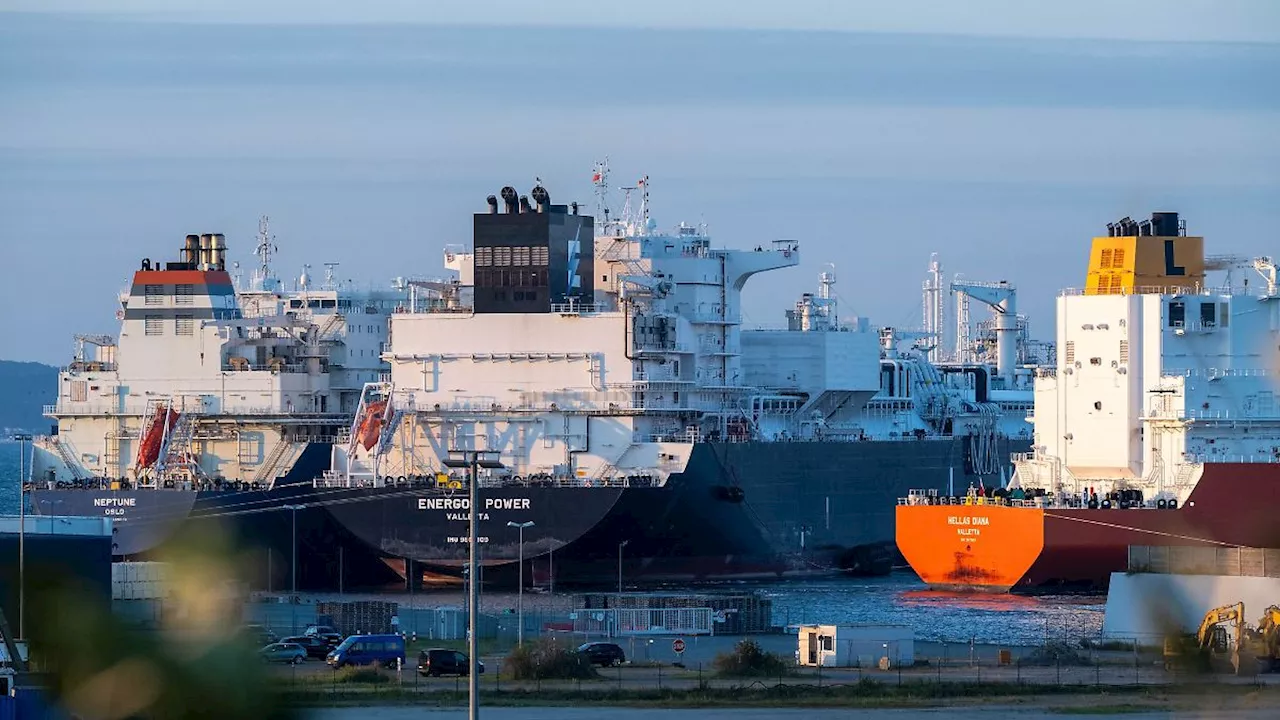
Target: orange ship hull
(987, 547)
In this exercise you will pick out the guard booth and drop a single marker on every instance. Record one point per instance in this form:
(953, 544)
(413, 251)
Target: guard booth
(856, 646)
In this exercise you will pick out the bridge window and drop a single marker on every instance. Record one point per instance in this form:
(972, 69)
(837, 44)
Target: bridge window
(1177, 314)
(1208, 314)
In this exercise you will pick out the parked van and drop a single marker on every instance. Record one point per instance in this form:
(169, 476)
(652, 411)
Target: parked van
(367, 650)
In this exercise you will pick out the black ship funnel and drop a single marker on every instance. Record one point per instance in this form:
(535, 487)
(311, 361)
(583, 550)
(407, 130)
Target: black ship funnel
(509, 199)
(541, 198)
(493, 204)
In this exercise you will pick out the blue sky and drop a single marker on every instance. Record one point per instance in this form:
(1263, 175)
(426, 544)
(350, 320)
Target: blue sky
(1001, 136)
(1164, 20)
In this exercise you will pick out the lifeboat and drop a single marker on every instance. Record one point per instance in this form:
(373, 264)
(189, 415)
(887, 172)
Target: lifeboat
(371, 424)
(153, 437)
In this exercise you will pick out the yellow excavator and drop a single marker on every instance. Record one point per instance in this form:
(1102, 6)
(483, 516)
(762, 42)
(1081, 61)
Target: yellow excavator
(1269, 640)
(1211, 638)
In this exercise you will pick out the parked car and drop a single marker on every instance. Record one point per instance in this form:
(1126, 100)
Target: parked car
(604, 654)
(438, 661)
(259, 635)
(316, 647)
(291, 653)
(324, 632)
(367, 650)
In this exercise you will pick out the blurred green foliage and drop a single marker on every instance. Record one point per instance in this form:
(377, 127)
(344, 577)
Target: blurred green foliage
(195, 665)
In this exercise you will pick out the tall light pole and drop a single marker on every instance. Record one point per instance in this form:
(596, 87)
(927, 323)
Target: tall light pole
(22, 533)
(620, 546)
(473, 460)
(293, 568)
(520, 590)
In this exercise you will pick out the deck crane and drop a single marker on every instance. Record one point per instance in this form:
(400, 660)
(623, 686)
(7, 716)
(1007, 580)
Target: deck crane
(1002, 298)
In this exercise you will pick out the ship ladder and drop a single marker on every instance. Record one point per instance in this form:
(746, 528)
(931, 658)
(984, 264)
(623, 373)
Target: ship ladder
(267, 473)
(69, 459)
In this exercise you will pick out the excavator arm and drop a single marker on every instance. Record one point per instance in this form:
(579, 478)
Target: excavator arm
(1218, 616)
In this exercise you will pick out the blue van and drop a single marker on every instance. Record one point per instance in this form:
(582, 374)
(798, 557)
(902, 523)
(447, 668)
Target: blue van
(385, 650)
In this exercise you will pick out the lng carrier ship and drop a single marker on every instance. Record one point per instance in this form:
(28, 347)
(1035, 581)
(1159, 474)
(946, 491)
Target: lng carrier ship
(1157, 427)
(630, 418)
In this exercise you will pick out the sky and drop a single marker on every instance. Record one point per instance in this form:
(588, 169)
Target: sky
(1001, 135)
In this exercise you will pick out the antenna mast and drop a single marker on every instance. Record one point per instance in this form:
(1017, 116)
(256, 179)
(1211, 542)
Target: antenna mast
(600, 179)
(262, 278)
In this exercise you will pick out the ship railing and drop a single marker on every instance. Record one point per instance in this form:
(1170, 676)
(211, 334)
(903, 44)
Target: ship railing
(576, 308)
(88, 366)
(1215, 373)
(266, 367)
(1194, 414)
(194, 407)
(1159, 290)
(1212, 459)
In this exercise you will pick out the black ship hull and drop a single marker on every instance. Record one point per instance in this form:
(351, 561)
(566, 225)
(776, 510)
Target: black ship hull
(739, 510)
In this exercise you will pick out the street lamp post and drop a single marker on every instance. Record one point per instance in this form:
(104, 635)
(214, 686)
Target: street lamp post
(293, 569)
(620, 546)
(22, 533)
(520, 590)
(473, 460)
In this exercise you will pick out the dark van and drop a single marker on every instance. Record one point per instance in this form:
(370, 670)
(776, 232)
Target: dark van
(384, 650)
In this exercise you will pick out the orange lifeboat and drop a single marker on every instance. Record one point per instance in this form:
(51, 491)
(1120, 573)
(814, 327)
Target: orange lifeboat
(371, 424)
(152, 439)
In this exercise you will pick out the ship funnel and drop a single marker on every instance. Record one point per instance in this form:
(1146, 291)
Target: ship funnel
(493, 204)
(509, 199)
(219, 256)
(1165, 224)
(191, 250)
(524, 204)
(541, 197)
(206, 251)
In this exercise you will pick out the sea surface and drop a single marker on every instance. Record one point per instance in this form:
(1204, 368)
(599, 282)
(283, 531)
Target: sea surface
(9, 477)
(899, 598)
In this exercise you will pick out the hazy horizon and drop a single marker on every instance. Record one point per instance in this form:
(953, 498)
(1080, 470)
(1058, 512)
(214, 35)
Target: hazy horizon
(371, 145)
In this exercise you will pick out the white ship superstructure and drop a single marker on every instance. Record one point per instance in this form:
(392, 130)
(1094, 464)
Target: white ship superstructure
(595, 359)
(603, 354)
(208, 383)
(1161, 371)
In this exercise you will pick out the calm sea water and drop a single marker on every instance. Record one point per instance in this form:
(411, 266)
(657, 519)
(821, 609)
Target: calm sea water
(899, 598)
(9, 477)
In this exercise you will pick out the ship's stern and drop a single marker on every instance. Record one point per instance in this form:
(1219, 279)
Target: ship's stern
(978, 546)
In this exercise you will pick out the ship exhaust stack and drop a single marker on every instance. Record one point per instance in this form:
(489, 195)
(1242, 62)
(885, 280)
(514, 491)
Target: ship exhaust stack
(493, 204)
(206, 252)
(541, 198)
(509, 199)
(191, 251)
(524, 204)
(1165, 224)
(219, 258)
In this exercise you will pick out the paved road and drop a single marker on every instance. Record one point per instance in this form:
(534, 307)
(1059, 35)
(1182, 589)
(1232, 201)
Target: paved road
(622, 713)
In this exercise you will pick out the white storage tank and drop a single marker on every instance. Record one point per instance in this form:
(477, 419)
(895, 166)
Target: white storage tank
(856, 646)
